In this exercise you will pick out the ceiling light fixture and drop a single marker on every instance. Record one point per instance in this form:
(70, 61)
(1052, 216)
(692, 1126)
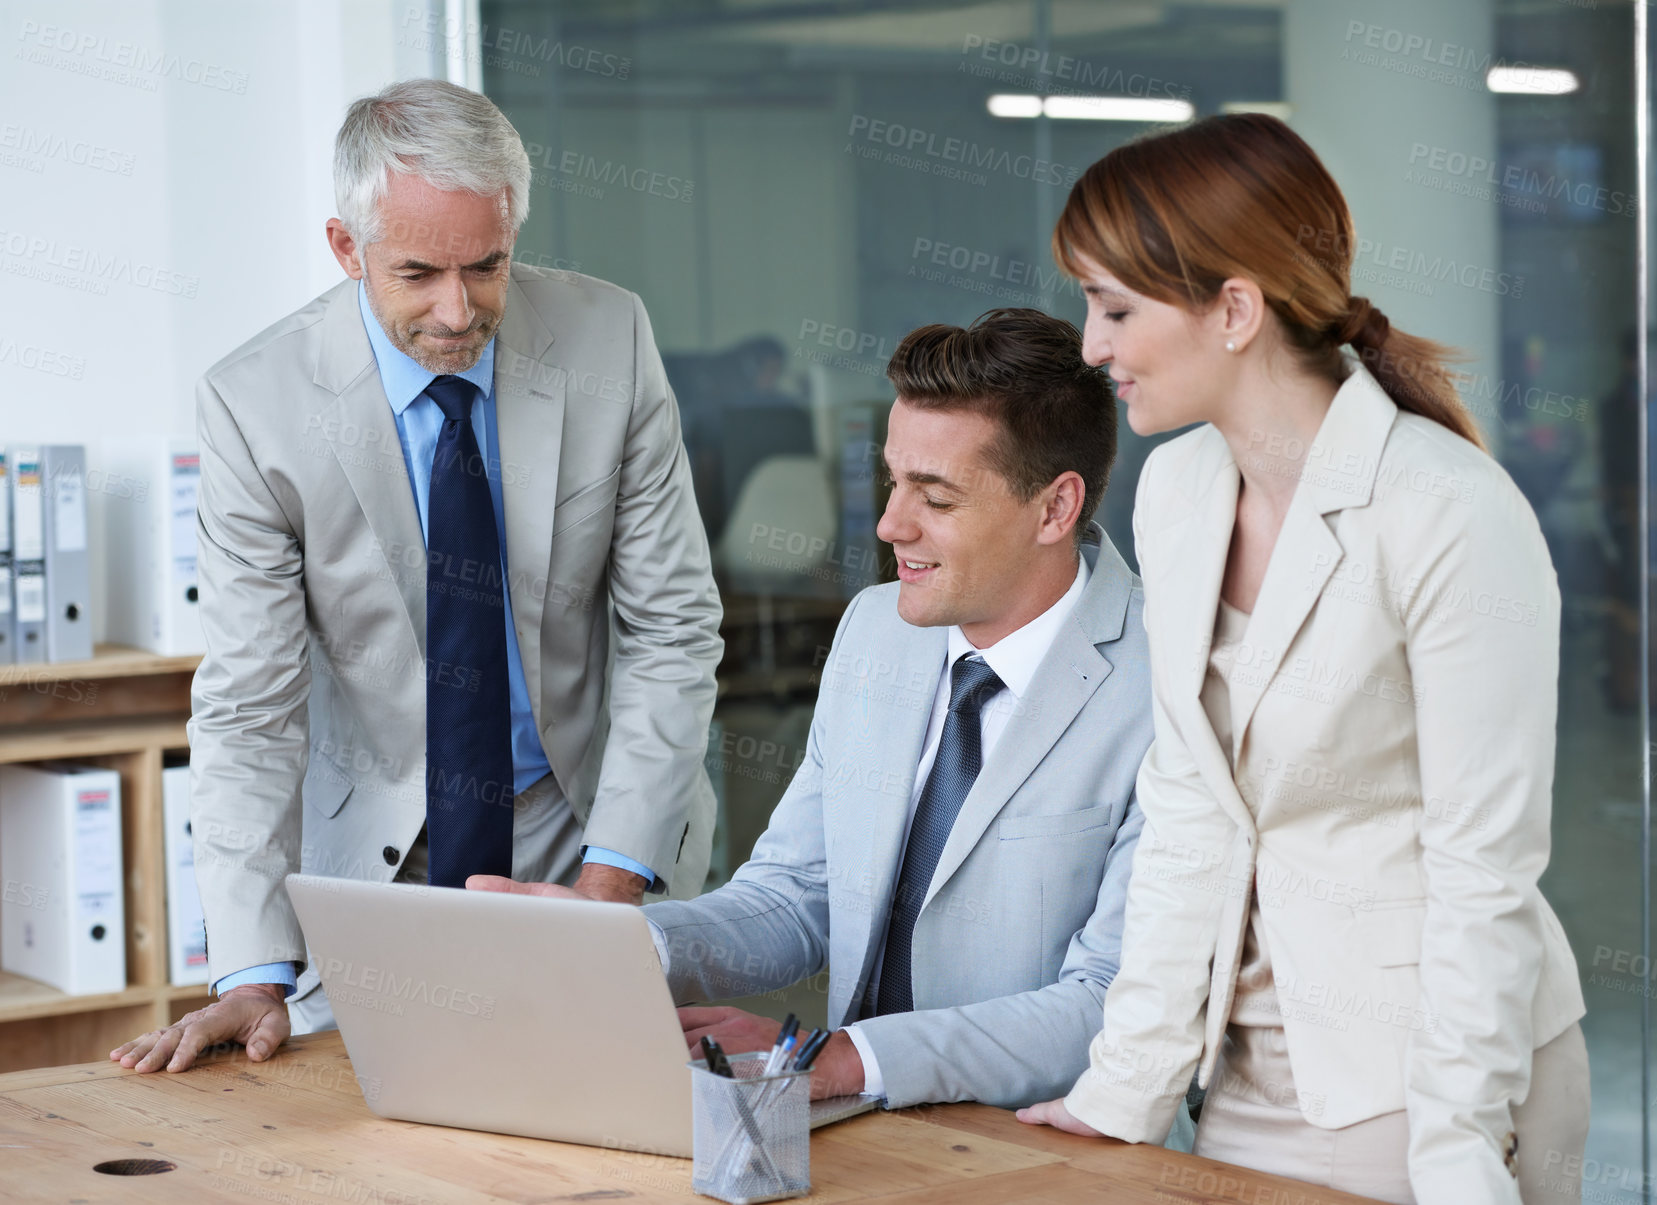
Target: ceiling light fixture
(1532, 81)
(1091, 108)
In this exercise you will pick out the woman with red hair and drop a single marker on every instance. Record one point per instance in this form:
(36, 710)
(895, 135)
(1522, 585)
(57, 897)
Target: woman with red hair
(1334, 917)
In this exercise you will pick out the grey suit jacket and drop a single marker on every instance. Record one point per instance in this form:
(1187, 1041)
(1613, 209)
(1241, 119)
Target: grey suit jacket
(1020, 933)
(312, 569)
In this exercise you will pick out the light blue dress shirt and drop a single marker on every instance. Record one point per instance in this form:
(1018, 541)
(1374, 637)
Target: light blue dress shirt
(419, 422)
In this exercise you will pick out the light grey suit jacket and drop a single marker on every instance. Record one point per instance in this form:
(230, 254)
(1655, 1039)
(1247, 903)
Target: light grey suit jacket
(1021, 930)
(312, 568)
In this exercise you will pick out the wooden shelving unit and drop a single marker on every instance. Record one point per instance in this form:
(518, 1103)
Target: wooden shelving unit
(124, 709)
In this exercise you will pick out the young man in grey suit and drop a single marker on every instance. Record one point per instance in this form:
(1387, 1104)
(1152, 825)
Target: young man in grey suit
(955, 847)
(427, 500)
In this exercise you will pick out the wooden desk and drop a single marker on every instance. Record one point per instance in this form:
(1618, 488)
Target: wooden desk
(295, 1130)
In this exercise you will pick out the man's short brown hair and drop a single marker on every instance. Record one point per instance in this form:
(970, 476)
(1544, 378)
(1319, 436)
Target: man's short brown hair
(1024, 369)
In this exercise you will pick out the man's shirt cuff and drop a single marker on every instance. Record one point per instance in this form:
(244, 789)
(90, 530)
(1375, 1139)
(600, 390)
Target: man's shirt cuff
(873, 1083)
(609, 857)
(270, 972)
(660, 940)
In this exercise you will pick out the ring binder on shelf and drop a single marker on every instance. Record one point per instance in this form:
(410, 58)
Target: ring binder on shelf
(28, 556)
(68, 564)
(62, 917)
(152, 551)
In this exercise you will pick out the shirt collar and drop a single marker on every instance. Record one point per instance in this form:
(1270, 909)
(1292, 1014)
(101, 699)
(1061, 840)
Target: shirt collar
(1017, 655)
(403, 379)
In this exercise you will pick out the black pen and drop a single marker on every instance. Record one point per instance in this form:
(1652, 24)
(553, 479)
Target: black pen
(812, 1048)
(715, 1058)
(800, 1049)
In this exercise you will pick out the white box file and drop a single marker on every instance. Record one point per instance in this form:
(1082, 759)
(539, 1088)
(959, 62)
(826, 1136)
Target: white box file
(186, 932)
(62, 913)
(153, 597)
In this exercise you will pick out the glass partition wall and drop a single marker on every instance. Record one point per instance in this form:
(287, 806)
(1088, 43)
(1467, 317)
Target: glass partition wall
(793, 185)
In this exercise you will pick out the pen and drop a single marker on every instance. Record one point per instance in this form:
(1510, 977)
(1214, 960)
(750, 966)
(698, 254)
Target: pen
(779, 1056)
(812, 1048)
(715, 1057)
(785, 1043)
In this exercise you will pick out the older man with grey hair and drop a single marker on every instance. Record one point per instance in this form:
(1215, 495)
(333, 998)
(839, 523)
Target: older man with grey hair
(459, 611)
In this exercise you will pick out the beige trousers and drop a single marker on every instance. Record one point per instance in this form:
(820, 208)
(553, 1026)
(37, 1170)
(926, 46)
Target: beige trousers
(542, 821)
(1254, 1117)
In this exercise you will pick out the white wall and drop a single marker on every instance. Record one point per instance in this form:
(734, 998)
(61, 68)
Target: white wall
(218, 121)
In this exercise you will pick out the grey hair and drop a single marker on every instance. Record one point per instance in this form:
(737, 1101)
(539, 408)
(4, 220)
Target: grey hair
(451, 137)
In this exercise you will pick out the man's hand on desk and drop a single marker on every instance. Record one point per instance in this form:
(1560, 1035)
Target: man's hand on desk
(597, 882)
(838, 1070)
(1053, 1113)
(253, 1014)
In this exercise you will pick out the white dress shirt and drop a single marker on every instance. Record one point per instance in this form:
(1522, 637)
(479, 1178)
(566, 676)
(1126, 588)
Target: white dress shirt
(1015, 659)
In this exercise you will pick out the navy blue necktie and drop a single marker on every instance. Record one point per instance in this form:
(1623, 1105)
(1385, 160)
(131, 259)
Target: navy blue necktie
(954, 770)
(468, 699)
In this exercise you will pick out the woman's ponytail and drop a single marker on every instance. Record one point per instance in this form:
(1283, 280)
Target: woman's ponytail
(1412, 370)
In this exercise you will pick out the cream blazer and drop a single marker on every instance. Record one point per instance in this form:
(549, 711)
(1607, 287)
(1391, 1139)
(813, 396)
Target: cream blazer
(1394, 705)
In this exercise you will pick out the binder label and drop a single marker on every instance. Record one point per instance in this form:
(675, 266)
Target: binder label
(69, 498)
(96, 855)
(186, 479)
(30, 538)
(31, 598)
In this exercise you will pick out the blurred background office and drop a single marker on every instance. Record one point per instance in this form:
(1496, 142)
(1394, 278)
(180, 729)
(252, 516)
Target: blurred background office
(792, 185)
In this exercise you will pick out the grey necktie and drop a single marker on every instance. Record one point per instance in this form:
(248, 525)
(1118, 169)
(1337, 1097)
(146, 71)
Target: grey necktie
(955, 769)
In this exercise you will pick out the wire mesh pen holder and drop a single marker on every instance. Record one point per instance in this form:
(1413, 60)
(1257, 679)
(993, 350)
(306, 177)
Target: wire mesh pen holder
(752, 1134)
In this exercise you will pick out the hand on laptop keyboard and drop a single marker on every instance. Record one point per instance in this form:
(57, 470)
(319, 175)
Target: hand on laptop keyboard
(608, 884)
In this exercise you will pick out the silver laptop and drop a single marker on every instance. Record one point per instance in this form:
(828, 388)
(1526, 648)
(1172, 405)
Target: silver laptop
(508, 1013)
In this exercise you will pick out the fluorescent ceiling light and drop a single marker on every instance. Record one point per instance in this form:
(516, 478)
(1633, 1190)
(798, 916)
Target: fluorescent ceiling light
(1092, 108)
(1005, 104)
(1271, 108)
(1532, 81)
(1118, 108)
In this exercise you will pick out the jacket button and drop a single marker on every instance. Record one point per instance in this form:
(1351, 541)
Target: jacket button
(390, 855)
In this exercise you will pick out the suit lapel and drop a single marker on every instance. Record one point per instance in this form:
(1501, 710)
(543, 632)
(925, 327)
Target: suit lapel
(1069, 675)
(362, 433)
(529, 411)
(1185, 598)
(1300, 566)
(1340, 472)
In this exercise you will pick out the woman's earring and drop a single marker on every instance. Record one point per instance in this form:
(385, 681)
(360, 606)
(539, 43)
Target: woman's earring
(1230, 345)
